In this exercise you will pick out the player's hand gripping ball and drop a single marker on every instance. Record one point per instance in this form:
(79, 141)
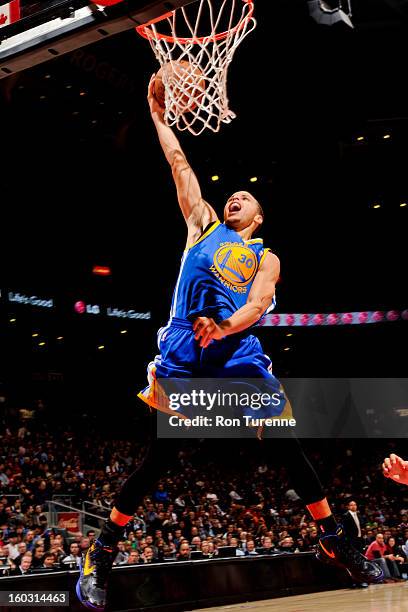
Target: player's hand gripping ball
(186, 83)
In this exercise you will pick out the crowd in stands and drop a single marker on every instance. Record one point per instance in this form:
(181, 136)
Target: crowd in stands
(200, 505)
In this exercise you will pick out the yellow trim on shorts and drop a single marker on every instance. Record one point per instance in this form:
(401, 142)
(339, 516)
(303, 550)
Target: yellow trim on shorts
(287, 413)
(161, 403)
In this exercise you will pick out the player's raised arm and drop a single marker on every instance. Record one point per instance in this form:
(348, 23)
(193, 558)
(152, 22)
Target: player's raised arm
(196, 211)
(396, 468)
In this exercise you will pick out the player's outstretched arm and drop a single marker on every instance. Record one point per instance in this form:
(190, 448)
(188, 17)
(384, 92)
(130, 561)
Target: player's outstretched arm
(396, 468)
(196, 211)
(259, 299)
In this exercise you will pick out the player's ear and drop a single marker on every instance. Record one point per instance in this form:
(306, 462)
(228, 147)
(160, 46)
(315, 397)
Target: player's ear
(258, 219)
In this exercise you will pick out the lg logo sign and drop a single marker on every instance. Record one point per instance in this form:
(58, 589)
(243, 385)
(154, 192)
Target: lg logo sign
(81, 307)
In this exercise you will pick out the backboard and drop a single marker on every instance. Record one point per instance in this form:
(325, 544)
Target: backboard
(32, 32)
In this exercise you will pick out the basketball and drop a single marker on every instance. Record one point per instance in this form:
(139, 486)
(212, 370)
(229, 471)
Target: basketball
(186, 82)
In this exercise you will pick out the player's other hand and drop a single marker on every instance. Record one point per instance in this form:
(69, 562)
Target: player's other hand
(206, 329)
(151, 98)
(396, 468)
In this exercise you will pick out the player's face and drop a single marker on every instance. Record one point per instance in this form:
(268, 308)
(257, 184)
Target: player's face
(241, 210)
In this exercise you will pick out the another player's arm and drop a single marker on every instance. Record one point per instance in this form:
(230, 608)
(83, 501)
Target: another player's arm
(259, 299)
(396, 468)
(196, 211)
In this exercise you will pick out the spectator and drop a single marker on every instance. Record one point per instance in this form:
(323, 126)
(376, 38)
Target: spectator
(184, 552)
(151, 514)
(301, 545)
(393, 551)
(13, 545)
(38, 555)
(352, 525)
(132, 559)
(43, 525)
(235, 496)
(29, 539)
(287, 545)
(23, 568)
(250, 548)
(91, 535)
(231, 531)
(177, 537)
(74, 554)
(22, 550)
(5, 555)
(377, 549)
(84, 544)
(377, 552)
(405, 549)
(122, 555)
(238, 551)
(160, 494)
(267, 547)
(49, 561)
(313, 537)
(148, 555)
(196, 543)
(57, 547)
(149, 542)
(4, 479)
(138, 538)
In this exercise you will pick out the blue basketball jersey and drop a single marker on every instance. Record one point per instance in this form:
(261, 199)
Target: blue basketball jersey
(216, 274)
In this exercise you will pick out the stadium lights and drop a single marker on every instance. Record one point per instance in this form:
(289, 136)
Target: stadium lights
(287, 348)
(360, 138)
(101, 347)
(13, 320)
(403, 204)
(376, 205)
(215, 178)
(60, 337)
(324, 14)
(387, 136)
(253, 179)
(35, 335)
(41, 344)
(123, 331)
(101, 270)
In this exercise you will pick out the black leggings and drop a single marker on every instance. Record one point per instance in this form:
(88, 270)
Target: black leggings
(163, 454)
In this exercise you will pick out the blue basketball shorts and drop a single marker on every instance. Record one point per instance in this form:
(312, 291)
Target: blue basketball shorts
(236, 357)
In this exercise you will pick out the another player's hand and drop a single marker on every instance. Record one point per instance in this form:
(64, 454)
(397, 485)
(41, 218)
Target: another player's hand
(151, 98)
(207, 329)
(396, 468)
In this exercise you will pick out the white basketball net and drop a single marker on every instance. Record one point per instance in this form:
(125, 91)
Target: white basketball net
(207, 41)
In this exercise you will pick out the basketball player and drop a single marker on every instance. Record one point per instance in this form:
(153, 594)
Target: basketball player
(396, 468)
(225, 285)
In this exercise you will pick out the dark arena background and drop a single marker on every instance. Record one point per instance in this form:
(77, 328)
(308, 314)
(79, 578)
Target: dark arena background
(92, 237)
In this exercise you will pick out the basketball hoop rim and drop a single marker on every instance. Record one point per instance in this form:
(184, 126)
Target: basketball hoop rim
(148, 33)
